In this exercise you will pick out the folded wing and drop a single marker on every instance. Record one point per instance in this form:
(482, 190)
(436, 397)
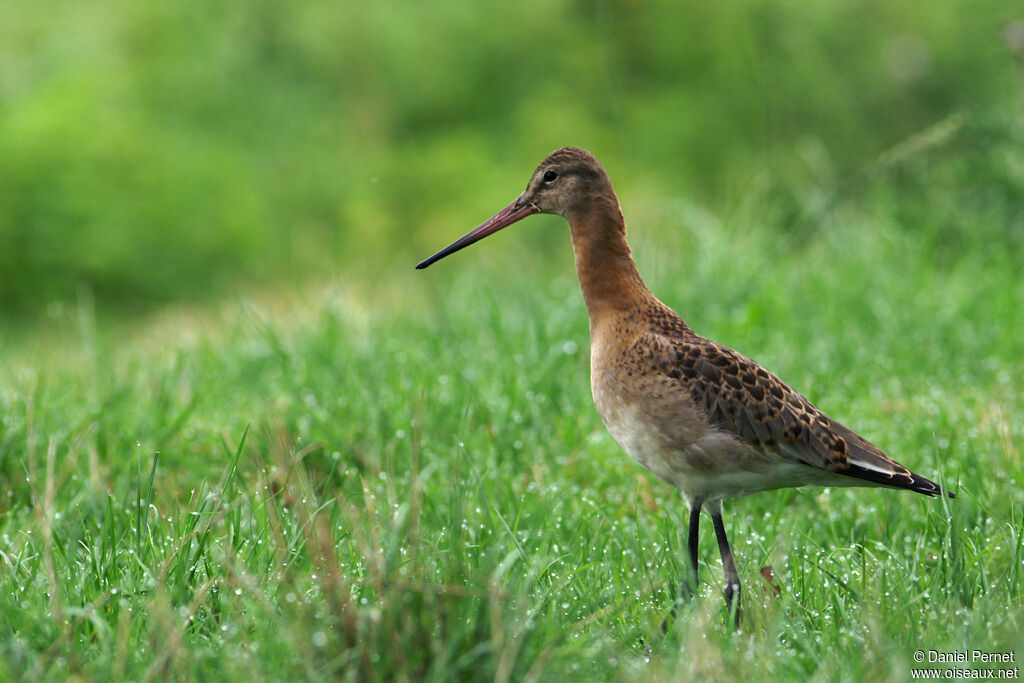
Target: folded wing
(741, 397)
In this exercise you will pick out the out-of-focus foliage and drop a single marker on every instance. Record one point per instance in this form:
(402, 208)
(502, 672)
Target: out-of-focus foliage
(159, 151)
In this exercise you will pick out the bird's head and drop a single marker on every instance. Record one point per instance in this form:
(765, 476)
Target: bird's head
(564, 184)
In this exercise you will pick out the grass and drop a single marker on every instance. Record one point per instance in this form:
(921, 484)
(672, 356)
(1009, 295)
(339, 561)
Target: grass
(407, 480)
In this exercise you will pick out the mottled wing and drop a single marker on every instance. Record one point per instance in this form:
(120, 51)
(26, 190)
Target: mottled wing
(741, 397)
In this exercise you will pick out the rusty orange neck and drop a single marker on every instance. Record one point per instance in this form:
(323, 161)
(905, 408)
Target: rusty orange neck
(608, 277)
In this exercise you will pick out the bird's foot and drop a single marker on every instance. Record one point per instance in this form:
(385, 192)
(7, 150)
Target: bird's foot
(687, 591)
(732, 602)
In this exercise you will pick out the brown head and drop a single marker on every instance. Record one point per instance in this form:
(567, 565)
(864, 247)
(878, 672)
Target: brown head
(566, 184)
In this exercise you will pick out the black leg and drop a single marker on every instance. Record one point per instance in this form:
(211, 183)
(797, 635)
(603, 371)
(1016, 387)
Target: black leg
(689, 587)
(694, 533)
(732, 579)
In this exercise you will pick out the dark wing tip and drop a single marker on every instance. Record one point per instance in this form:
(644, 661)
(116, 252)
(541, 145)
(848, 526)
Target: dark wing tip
(898, 480)
(928, 487)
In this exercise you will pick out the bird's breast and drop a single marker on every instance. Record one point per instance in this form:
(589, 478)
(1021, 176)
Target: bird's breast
(659, 426)
(653, 426)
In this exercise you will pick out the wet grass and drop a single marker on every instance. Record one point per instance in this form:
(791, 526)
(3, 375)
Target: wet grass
(408, 480)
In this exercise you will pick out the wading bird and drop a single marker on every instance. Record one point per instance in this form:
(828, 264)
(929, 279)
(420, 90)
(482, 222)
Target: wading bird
(700, 416)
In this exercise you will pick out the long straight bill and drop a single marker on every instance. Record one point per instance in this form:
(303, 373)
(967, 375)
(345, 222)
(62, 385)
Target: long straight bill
(504, 218)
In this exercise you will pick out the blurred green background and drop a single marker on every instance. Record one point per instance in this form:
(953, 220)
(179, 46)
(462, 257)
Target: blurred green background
(176, 152)
(209, 216)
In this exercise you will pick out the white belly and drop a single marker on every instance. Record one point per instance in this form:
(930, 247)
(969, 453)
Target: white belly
(643, 442)
(705, 465)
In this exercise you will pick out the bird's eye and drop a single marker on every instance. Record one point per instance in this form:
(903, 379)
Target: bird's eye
(549, 176)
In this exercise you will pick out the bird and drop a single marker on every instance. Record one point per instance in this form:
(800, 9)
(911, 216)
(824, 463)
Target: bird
(700, 416)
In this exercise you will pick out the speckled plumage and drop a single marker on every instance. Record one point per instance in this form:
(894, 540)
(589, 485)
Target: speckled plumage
(733, 396)
(700, 416)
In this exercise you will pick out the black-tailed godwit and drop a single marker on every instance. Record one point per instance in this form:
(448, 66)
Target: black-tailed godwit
(700, 416)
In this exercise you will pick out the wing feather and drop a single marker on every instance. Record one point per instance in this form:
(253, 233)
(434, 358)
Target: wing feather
(741, 397)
